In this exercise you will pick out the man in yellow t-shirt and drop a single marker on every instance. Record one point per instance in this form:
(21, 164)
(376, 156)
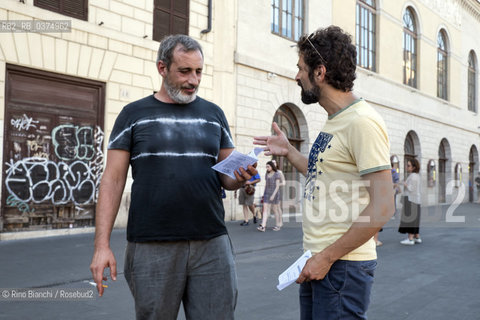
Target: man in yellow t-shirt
(348, 192)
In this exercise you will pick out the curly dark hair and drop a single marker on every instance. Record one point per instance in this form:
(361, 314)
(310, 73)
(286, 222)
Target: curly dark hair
(333, 48)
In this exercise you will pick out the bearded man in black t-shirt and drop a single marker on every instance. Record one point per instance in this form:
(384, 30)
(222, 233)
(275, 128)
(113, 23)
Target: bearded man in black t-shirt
(178, 248)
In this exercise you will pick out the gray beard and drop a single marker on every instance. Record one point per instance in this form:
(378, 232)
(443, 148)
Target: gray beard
(176, 94)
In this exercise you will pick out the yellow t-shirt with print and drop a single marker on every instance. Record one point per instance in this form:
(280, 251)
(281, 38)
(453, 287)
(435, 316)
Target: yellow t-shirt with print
(353, 142)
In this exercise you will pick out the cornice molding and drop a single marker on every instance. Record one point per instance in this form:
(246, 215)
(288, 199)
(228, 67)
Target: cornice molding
(472, 7)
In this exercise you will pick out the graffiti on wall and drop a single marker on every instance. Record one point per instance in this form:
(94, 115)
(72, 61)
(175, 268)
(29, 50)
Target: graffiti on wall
(40, 180)
(24, 123)
(61, 166)
(21, 206)
(73, 142)
(38, 146)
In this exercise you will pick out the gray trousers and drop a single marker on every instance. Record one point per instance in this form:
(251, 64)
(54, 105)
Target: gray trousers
(201, 274)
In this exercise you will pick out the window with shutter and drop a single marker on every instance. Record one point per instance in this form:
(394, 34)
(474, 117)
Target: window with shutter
(170, 17)
(72, 8)
(53, 5)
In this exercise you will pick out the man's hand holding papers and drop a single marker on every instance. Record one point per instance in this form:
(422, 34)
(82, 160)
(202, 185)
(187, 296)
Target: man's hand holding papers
(237, 160)
(293, 272)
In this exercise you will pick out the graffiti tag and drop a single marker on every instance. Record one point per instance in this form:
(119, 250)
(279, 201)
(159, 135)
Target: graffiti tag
(24, 123)
(40, 180)
(38, 147)
(73, 142)
(22, 206)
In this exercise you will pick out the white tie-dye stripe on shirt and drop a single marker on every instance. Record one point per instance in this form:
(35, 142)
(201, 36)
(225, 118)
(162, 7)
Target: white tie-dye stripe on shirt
(170, 121)
(173, 154)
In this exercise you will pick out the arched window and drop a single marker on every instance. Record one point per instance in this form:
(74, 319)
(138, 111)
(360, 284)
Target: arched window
(444, 169)
(442, 65)
(409, 48)
(472, 82)
(365, 34)
(411, 149)
(287, 121)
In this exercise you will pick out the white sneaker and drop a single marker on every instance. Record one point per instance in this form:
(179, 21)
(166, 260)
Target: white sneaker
(417, 240)
(407, 242)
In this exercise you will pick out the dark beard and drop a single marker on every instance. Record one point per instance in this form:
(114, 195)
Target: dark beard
(310, 96)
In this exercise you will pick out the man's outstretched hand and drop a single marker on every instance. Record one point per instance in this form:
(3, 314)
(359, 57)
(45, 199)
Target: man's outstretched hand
(274, 145)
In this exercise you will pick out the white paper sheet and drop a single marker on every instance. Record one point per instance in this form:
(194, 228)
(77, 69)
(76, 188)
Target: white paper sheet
(293, 272)
(236, 160)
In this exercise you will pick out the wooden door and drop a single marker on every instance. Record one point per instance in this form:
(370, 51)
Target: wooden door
(52, 150)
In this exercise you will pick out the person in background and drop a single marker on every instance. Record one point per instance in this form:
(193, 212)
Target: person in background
(396, 188)
(378, 243)
(246, 200)
(271, 197)
(278, 207)
(395, 179)
(477, 184)
(410, 221)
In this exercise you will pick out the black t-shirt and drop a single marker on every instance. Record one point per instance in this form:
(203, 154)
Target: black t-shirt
(176, 195)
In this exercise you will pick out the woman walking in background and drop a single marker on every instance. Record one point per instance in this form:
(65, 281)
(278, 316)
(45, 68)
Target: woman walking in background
(246, 198)
(410, 221)
(271, 197)
(278, 207)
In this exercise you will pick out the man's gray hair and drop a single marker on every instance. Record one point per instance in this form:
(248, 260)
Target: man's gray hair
(169, 43)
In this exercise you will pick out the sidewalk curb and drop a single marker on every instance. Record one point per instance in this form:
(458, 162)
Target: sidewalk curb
(44, 233)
